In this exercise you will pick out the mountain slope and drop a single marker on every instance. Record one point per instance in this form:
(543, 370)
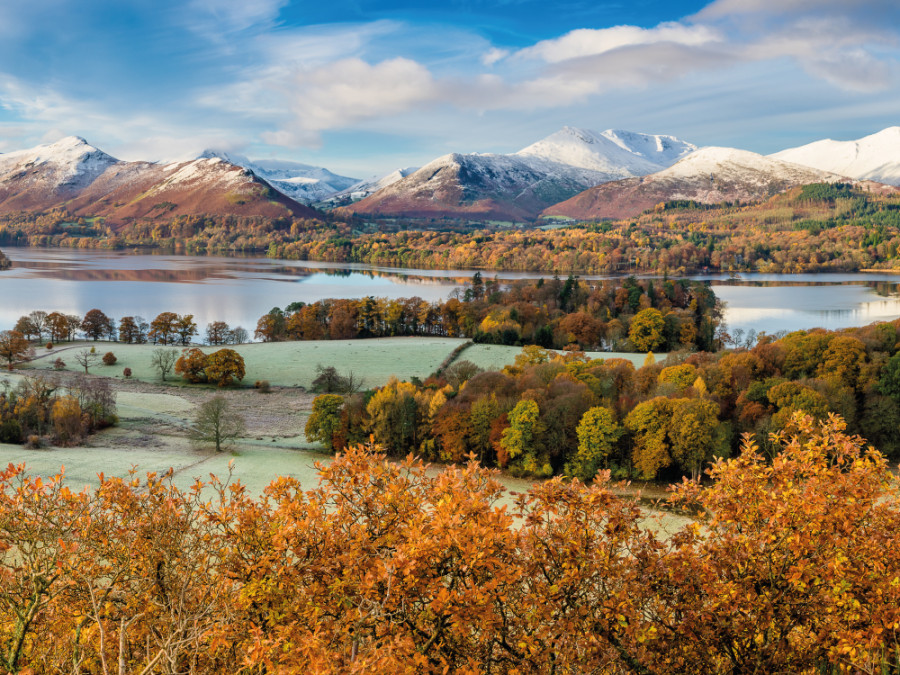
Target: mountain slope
(519, 186)
(301, 182)
(875, 157)
(75, 175)
(369, 186)
(619, 154)
(52, 173)
(710, 175)
(135, 190)
(496, 187)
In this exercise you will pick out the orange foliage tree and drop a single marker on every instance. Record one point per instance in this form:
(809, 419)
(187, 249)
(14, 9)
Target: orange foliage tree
(789, 566)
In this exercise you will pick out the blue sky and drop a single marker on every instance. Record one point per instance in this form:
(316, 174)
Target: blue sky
(362, 86)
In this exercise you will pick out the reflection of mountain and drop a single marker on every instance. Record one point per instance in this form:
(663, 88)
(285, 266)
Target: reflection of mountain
(178, 276)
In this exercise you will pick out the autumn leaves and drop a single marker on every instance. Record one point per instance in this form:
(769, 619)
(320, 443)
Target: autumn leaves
(386, 567)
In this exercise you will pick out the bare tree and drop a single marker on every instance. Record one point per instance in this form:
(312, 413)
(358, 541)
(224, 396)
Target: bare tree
(239, 335)
(163, 360)
(86, 358)
(216, 424)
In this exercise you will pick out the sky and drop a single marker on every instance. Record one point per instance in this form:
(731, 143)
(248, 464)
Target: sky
(363, 86)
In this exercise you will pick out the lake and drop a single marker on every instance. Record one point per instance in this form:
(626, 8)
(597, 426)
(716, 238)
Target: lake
(239, 290)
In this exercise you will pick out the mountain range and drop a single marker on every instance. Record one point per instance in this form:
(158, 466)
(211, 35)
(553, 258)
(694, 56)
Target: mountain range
(74, 175)
(574, 173)
(519, 186)
(875, 157)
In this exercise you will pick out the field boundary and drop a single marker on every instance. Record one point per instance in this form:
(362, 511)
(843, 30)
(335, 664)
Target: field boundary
(451, 357)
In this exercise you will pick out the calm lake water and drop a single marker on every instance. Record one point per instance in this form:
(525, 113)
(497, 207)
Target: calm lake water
(240, 290)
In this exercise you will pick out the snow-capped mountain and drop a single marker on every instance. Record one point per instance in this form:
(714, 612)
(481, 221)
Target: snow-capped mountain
(709, 175)
(875, 157)
(75, 175)
(519, 186)
(496, 187)
(617, 153)
(369, 186)
(302, 182)
(52, 171)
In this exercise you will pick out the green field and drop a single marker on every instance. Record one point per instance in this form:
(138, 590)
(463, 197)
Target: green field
(289, 364)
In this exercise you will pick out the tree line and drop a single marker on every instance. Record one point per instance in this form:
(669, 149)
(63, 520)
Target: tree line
(552, 413)
(168, 328)
(615, 314)
(788, 566)
(44, 407)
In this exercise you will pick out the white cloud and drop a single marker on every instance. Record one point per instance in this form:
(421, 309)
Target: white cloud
(494, 55)
(590, 42)
(349, 91)
(214, 18)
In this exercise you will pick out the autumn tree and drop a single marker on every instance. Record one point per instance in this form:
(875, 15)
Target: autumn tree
(223, 367)
(186, 328)
(133, 330)
(325, 419)
(96, 325)
(597, 436)
(217, 333)
(215, 423)
(271, 326)
(191, 365)
(648, 424)
(13, 347)
(646, 330)
(66, 418)
(164, 329)
(521, 441)
(26, 326)
(696, 434)
(58, 326)
(38, 320)
(395, 418)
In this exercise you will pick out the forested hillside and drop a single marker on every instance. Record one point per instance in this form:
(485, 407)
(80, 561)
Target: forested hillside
(819, 227)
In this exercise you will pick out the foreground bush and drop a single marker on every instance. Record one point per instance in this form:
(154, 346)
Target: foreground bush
(791, 568)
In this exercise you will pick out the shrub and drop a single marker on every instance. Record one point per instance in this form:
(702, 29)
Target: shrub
(34, 442)
(93, 350)
(10, 431)
(59, 364)
(49, 345)
(263, 386)
(109, 359)
(127, 372)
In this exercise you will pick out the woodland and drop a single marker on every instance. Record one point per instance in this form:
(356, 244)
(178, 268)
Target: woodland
(790, 566)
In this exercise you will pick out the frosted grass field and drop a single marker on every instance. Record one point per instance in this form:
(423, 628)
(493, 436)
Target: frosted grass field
(289, 364)
(494, 357)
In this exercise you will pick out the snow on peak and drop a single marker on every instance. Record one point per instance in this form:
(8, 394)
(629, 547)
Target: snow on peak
(302, 182)
(616, 153)
(660, 149)
(742, 165)
(875, 157)
(364, 188)
(70, 163)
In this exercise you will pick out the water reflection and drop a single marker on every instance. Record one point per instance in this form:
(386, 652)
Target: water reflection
(239, 289)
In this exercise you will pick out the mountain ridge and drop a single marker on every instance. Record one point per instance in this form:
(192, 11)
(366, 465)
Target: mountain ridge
(710, 175)
(517, 186)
